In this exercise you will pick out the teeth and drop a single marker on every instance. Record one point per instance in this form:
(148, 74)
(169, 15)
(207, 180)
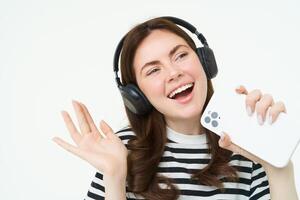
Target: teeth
(178, 90)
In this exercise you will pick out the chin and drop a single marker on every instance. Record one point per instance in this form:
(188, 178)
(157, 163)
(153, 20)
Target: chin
(184, 112)
(188, 113)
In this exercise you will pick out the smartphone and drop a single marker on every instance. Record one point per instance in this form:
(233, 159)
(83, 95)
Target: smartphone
(275, 143)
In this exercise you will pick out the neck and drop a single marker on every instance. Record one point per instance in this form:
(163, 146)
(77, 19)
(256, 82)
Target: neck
(186, 126)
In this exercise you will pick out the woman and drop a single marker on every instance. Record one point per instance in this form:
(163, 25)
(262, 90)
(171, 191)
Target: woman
(167, 153)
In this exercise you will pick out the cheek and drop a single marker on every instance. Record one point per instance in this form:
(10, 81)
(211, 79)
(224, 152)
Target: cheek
(197, 67)
(197, 71)
(198, 74)
(153, 90)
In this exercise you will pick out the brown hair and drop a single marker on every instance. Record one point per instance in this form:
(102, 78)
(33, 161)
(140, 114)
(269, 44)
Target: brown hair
(146, 149)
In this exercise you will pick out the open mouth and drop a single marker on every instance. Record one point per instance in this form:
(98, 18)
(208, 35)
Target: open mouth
(182, 92)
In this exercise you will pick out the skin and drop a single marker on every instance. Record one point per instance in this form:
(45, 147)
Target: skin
(106, 151)
(99, 147)
(182, 67)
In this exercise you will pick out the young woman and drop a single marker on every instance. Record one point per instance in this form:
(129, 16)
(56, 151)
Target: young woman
(166, 153)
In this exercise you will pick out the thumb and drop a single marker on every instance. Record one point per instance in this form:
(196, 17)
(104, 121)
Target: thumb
(225, 143)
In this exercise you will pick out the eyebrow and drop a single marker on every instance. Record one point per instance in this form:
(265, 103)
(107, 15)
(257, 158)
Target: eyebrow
(154, 62)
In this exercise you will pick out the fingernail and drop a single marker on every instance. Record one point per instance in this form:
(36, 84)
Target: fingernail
(270, 119)
(103, 124)
(74, 102)
(249, 111)
(260, 119)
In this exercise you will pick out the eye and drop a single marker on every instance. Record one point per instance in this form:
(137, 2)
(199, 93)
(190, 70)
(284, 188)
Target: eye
(181, 56)
(152, 71)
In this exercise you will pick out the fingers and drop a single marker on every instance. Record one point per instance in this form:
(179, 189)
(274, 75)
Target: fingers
(225, 143)
(72, 149)
(241, 90)
(86, 122)
(262, 106)
(89, 118)
(71, 127)
(275, 110)
(251, 99)
(106, 129)
(83, 123)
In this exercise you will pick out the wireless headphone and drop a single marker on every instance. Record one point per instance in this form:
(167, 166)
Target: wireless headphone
(133, 97)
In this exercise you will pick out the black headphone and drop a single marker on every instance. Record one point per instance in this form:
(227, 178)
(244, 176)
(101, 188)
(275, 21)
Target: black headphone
(133, 97)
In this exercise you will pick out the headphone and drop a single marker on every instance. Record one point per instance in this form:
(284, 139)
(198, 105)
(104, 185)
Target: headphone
(133, 97)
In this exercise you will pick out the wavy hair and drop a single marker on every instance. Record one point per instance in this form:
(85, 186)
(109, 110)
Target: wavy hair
(146, 149)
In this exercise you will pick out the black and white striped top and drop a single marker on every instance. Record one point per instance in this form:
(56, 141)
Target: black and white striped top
(182, 154)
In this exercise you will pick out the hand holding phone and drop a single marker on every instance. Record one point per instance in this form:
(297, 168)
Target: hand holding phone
(274, 143)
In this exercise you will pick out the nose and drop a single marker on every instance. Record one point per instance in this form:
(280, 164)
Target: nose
(174, 73)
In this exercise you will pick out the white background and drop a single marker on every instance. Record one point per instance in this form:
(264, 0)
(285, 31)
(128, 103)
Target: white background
(54, 51)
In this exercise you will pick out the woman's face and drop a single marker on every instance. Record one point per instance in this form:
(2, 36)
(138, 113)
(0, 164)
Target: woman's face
(172, 64)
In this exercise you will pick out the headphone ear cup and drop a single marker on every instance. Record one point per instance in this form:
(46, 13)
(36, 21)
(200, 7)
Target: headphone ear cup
(135, 100)
(208, 61)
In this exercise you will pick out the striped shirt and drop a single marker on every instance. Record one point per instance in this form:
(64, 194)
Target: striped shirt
(185, 153)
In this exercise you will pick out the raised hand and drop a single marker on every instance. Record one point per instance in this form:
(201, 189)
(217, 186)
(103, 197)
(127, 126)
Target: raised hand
(105, 152)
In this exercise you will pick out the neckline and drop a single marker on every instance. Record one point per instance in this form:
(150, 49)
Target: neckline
(184, 138)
